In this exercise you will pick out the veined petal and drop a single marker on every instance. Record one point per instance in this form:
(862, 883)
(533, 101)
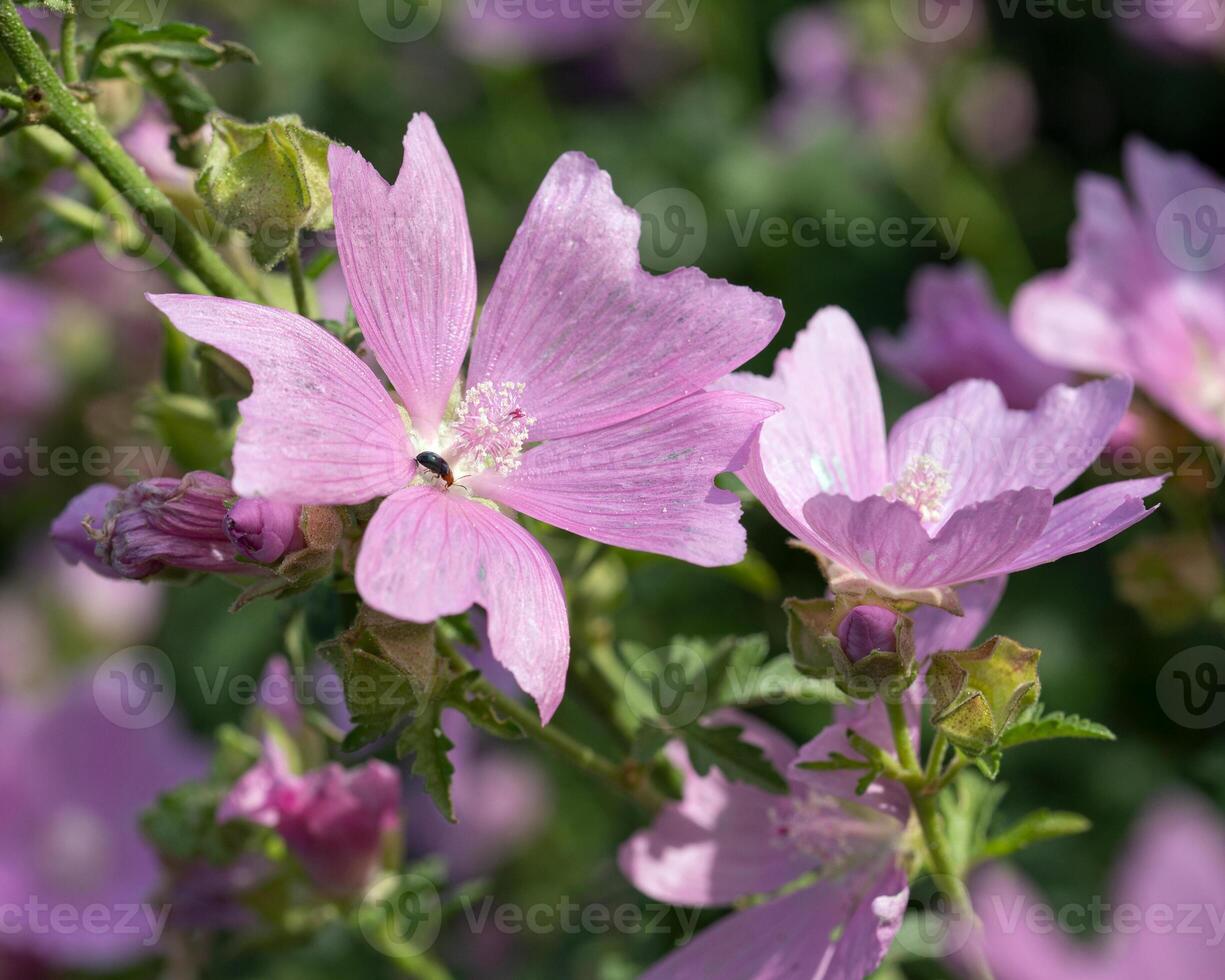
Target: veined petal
(407, 260)
(985, 448)
(885, 541)
(318, 427)
(427, 553)
(647, 483)
(834, 930)
(716, 845)
(594, 338)
(830, 436)
(1087, 520)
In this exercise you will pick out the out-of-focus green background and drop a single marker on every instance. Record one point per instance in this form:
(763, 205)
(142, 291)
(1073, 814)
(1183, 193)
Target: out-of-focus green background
(695, 121)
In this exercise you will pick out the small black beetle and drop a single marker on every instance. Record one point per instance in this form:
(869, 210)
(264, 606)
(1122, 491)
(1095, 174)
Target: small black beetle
(437, 465)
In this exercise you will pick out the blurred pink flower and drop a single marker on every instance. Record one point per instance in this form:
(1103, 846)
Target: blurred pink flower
(148, 141)
(1144, 292)
(579, 350)
(30, 382)
(338, 822)
(957, 331)
(1181, 29)
(74, 784)
(962, 489)
(995, 113)
(510, 31)
(1163, 916)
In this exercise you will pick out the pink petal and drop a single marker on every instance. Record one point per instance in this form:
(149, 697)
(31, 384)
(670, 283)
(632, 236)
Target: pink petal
(1017, 951)
(428, 553)
(318, 427)
(936, 630)
(887, 544)
(987, 448)
(717, 844)
(958, 331)
(1175, 860)
(407, 260)
(647, 483)
(830, 436)
(790, 938)
(595, 339)
(1087, 520)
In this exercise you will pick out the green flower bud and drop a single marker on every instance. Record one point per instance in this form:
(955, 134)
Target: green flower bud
(978, 693)
(860, 642)
(269, 180)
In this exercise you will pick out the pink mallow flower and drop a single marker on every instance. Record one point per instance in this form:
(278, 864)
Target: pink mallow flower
(1162, 917)
(957, 331)
(584, 404)
(726, 841)
(962, 489)
(1144, 292)
(337, 822)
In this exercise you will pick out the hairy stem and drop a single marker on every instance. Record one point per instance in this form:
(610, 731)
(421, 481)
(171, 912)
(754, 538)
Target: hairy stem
(81, 128)
(630, 780)
(301, 297)
(68, 47)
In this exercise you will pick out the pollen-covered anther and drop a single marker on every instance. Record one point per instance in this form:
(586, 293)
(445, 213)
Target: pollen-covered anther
(490, 429)
(923, 486)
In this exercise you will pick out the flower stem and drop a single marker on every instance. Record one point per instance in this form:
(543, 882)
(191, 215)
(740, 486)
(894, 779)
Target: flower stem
(81, 128)
(939, 856)
(628, 779)
(68, 47)
(301, 297)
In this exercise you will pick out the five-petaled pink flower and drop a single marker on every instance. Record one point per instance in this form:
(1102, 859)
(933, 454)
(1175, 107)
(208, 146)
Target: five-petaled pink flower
(1144, 293)
(830, 861)
(584, 404)
(961, 490)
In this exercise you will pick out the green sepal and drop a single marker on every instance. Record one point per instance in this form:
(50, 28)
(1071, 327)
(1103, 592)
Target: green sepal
(978, 693)
(812, 627)
(269, 180)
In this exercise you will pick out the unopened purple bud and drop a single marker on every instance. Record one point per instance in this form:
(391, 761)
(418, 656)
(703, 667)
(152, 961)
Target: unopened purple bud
(867, 628)
(76, 541)
(264, 530)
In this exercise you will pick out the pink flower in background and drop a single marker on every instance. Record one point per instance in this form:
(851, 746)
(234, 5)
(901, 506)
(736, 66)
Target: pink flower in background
(148, 141)
(338, 822)
(1164, 917)
(579, 350)
(962, 489)
(508, 31)
(1177, 30)
(1144, 292)
(726, 841)
(958, 331)
(995, 113)
(74, 785)
(30, 382)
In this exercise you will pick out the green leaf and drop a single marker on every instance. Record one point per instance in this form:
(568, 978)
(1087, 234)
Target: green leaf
(836, 760)
(479, 710)
(738, 760)
(377, 694)
(175, 42)
(425, 740)
(1034, 726)
(1041, 825)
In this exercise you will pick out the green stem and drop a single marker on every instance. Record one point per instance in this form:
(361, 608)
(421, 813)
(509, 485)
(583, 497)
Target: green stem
(301, 297)
(935, 758)
(626, 779)
(10, 101)
(939, 857)
(82, 129)
(68, 47)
